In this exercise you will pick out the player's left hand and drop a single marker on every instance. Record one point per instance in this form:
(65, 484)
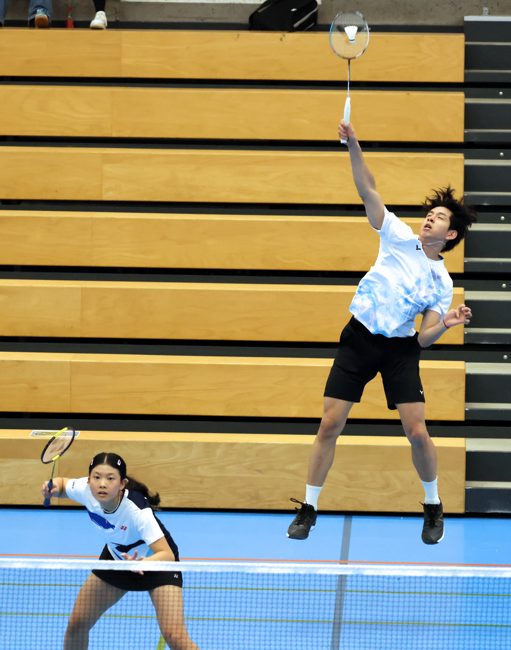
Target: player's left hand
(459, 316)
(126, 556)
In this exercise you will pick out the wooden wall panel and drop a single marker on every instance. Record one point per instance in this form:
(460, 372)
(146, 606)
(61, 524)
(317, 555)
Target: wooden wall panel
(191, 241)
(244, 114)
(216, 54)
(370, 473)
(174, 310)
(195, 385)
(217, 175)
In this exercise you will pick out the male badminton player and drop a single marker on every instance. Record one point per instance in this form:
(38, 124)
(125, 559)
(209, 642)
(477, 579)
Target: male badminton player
(407, 279)
(120, 509)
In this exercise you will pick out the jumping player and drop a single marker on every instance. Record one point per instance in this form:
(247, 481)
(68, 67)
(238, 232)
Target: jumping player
(407, 279)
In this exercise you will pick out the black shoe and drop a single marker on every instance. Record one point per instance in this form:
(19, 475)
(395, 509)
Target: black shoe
(433, 529)
(304, 521)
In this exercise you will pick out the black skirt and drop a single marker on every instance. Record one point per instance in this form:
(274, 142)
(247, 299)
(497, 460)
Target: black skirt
(129, 581)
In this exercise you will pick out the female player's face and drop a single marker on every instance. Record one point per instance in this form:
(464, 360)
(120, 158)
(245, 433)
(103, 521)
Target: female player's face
(106, 485)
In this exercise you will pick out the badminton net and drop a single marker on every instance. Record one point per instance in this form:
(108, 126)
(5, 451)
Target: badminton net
(269, 606)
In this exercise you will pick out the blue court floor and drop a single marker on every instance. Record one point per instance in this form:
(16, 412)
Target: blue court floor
(212, 535)
(271, 612)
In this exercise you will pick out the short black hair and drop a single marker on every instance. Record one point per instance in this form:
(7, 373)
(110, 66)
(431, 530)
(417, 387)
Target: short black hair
(463, 216)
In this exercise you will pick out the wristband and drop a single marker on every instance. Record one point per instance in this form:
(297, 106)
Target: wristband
(443, 323)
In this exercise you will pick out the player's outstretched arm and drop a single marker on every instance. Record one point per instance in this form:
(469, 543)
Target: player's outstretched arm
(364, 179)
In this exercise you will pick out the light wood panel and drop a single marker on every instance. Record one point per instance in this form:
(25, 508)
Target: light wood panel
(216, 54)
(186, 241)
(290, 114)
(174, 310)
(199, 385)
(370, 473)
(249, 176)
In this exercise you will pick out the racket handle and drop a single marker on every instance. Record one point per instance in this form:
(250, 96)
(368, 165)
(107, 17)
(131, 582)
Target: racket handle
(347, 115)
(46, 502)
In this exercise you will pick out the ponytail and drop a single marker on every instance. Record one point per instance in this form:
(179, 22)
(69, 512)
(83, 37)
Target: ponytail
(137, 486)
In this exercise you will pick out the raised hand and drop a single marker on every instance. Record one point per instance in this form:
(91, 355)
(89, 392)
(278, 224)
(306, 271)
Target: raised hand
(346, 131)
(461, 315)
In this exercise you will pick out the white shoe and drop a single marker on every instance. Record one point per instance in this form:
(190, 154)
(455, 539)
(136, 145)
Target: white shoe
(99, 21)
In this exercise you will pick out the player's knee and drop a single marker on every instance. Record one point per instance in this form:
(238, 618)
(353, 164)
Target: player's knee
(177, 639)
(330, 427)
(418, 435)
(78, 624)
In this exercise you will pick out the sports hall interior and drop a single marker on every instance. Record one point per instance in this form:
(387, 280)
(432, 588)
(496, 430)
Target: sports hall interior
(181, 239)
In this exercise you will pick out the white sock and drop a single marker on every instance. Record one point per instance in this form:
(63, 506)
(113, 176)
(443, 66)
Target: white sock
(312, 495)
(431, 491)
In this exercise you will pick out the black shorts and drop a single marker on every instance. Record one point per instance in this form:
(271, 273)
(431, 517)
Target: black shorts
(361, 355)
(130, 581)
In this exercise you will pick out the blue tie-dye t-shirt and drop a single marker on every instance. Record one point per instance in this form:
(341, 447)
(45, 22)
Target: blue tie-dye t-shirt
(402, 283)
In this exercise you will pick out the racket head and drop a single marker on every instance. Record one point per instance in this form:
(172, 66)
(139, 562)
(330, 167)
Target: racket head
(349, 35)
(57, 445)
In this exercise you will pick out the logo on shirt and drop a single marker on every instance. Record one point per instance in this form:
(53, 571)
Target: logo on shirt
(417, 247)
(124, 527)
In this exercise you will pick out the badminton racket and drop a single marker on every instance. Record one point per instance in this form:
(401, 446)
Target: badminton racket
(53, 450)
(349, 39)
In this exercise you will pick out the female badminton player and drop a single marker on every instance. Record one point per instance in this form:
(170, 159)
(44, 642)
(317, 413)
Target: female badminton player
(120, 508)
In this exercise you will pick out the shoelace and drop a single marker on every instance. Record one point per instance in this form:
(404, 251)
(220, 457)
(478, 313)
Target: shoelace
(302, 511)
(432, 513)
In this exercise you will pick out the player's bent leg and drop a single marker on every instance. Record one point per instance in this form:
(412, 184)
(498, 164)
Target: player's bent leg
(424, 460)
(335, 414)
(93, 600)
(168, 604)
(423, 450)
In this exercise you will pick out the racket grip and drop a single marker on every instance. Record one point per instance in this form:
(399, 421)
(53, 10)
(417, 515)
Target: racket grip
(46, 502)
(347, 115)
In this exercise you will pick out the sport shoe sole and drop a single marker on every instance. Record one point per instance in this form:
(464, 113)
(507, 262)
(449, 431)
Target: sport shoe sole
(432, 543)
(300, 534)
(41, 21)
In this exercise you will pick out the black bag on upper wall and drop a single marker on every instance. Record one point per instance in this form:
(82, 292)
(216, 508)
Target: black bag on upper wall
(284, 16)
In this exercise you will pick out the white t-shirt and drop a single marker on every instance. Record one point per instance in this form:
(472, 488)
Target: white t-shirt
(132, 526)
(402, 283)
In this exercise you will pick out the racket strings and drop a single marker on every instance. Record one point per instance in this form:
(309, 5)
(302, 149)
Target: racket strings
(349, 35)
(57, 446)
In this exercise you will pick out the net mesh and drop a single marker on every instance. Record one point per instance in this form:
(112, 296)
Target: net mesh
(248, 606)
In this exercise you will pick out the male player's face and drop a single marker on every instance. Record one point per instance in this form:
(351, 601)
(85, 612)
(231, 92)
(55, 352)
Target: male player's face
(105, 483)
(436, 227)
